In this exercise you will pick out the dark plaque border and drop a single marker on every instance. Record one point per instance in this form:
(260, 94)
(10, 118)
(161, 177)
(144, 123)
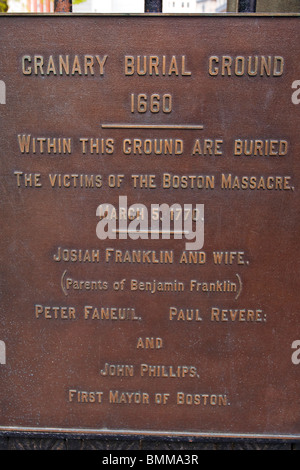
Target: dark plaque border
(254, 440)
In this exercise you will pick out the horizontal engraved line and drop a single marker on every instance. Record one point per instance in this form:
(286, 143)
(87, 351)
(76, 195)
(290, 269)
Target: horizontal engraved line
(150, 126)
(81, 431)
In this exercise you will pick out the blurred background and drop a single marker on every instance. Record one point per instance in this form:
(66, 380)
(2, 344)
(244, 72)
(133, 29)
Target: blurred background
(137, 6)
(116, 6)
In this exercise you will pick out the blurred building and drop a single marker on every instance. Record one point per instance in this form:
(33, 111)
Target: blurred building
(137, 6)
(179, 6)
(194, 6)
(36, 6)
(120, 6)
(110, 6)
(211, 6)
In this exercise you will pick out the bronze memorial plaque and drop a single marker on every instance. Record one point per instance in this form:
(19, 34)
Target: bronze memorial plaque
(150, 173)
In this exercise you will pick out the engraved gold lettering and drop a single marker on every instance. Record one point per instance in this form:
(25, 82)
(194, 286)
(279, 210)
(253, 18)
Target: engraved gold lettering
(53, 312)
(262, 148)
(28, 180)
(64, 65)
(81, 396)
(149, 343)
(139, 256)
(156, 286)
(153, 146)
(229, 257)
(117, 370)
(89, 65)
(188, 181)
(143, 181)
(77, 255)
(193, 257)
(168, 371)
(184, 314)
(263, 66)
(51, 66)
(153, 65)
(83, 65)
(38, 65)
(101, 62)
(277, 183)
(58, 180)
(201, 399)
(110, 313)
(78, 284)
(137, 398)
(212, 286)
(76, 66)
(237, 315)
(210, 147)
(26, 69)
(49, 145)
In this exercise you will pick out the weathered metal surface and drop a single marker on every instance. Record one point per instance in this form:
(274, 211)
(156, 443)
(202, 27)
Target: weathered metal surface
(124, 336)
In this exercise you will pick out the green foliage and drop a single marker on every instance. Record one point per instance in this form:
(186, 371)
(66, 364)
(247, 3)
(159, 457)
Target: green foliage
(3, 6)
